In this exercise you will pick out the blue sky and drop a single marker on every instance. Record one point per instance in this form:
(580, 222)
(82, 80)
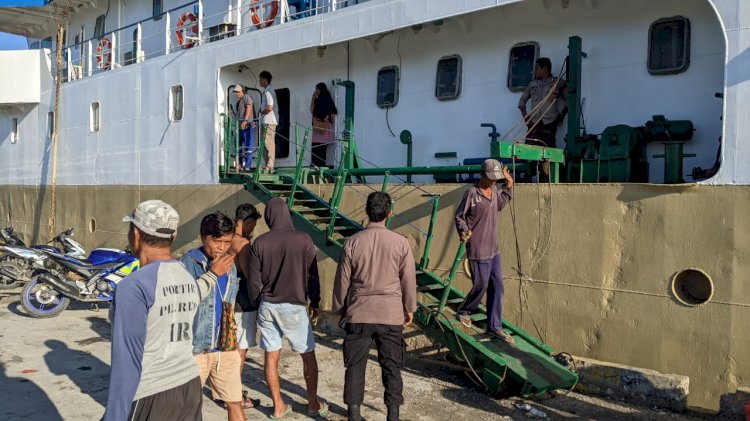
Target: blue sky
(12, 42)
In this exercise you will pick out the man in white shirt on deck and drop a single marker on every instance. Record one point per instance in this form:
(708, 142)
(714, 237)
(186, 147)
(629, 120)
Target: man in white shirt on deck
(269, 113)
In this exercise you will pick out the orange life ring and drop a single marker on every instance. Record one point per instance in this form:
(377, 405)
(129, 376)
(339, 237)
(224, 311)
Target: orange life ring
(190, 24)
(270, 18)
(104, 54)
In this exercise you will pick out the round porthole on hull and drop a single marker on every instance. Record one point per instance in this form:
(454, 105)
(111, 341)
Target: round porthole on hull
(692, 287)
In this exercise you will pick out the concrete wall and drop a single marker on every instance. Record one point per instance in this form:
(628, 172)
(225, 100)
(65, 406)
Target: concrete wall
(601, 256)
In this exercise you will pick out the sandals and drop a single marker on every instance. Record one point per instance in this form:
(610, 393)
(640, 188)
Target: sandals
(502, 335)
(465, 318)
(322, 412)
(249, 403)
(286, 413)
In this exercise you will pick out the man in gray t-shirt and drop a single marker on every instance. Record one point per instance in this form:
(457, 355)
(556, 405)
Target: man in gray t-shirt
(244, 114)
(154, 375)
(476, 222)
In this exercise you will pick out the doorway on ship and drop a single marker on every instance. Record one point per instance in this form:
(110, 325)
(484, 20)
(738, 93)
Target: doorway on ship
(283, 96)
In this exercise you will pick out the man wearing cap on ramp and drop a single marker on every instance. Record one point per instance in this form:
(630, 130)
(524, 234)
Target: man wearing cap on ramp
(476, 221)
(154, 375)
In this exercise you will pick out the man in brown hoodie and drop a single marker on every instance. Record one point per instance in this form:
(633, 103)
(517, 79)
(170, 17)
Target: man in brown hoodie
(282, 274)
(375, 293)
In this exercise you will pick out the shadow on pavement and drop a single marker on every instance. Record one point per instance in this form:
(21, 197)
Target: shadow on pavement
(22, 399)
(86, 371)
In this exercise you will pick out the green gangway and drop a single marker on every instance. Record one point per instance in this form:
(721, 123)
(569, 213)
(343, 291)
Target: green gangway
(526, 368)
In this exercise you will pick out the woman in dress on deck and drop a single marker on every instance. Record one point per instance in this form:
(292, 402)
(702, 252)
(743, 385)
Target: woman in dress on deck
(324, 113)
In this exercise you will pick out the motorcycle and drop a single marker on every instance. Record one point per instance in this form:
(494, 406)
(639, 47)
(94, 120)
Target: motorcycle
(16, 263)
(62, 278)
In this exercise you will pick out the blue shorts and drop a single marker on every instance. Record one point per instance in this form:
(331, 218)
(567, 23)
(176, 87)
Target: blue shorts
(279, 320)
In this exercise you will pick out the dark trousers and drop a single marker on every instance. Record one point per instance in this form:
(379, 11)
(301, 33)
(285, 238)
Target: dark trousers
(545, 133)
(389, 341)
(318, 154)
(487, 276)
(184, 403)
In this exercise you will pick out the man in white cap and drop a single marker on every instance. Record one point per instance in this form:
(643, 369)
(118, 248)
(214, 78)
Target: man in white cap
(154, 375)
(244, 113)
(476, 221)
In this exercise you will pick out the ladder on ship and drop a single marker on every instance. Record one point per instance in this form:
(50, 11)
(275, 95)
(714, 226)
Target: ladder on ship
(525, 368)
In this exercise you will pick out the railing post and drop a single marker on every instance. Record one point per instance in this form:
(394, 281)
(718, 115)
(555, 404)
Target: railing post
(338, 191)
(300, 160)
(384, 189)
(284, 15)
(428, 242)
(448, 284)
(88, 58)
(200, 22)
(223, 143)
(167, 34)
(138, 44)
(113, 51)
(69, 63)
(238, 17)
(261, 150)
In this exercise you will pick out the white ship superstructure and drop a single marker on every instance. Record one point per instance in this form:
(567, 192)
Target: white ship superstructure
(124, 69)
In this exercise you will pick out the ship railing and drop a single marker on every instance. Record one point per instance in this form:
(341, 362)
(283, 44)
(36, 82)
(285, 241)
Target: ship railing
(158, 35)
(340, 173)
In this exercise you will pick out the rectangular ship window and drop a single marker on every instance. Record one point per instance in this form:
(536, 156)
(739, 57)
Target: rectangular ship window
(175, 103)
(94, 117)
(157, 9)
(523, 56)
(50, 124)
(99, 26)
(14, 130)
(388, 79)
(448, 83)
(669, 46)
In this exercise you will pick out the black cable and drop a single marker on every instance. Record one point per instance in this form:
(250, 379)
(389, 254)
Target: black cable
(388, 123)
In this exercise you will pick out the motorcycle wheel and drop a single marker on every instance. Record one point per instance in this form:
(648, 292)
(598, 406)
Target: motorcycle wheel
(7, 282)
(41, 300)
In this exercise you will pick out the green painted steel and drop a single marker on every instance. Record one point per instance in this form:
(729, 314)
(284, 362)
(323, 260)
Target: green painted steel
(527, 368)
(430, 232)
(575, 58)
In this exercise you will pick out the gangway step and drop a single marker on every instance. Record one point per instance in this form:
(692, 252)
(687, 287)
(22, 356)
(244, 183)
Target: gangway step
(526, 368)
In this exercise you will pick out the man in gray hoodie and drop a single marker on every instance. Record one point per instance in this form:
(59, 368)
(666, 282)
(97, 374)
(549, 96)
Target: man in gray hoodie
(282, 273)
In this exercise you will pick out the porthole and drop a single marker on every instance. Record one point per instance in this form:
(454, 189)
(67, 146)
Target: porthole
(692, 287)
(388, 79)
(448, 81)
(92, 225)
(669, 46)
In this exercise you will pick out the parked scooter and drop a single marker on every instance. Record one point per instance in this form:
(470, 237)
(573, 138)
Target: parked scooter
(62, 278)
(16, 263)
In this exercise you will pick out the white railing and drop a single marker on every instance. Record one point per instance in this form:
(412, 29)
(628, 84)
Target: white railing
(181, 28)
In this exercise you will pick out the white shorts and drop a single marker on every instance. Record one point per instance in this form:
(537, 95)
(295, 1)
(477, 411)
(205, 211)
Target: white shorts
(247, 328)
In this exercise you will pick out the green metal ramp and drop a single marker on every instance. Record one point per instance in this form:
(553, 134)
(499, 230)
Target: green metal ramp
(524, 369)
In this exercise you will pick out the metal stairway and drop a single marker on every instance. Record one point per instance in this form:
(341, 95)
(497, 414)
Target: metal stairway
(524, 369)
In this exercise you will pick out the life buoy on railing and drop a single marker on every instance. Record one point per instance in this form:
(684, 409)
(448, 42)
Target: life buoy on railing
(188, 23)
(104, 54)
(269, 19)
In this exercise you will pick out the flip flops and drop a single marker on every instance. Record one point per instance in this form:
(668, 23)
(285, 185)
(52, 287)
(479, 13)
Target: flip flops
(465, 318)
(322, 412)
(502, 335)
(286, 413)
